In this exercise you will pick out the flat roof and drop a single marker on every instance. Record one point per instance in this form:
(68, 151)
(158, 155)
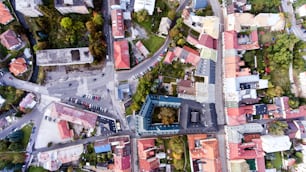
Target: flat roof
(66, 56)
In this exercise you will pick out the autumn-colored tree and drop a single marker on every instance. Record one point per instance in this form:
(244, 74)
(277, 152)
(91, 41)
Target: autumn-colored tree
(167, 115)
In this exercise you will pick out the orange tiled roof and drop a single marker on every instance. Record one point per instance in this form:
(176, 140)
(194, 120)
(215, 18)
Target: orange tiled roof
(9, 39)
(121, 54)
(5, 15)
(64, 130)
(169, 57)
(18, 66)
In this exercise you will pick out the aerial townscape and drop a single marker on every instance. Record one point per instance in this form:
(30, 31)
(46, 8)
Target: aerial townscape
(153, 85)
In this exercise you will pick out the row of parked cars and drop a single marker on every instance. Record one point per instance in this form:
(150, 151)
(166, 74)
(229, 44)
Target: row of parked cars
(138, 75)
(98, 98)
(87, 105)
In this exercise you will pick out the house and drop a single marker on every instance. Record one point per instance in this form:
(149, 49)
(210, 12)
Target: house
(18, 66)
(73, 6)
(148, 5)
(204, 154)
(29, 8)
(146, 153)
(53, 159)
(2, 100)
(239, 21)
(301, 11)
(170, 56)
(187, 55)
(6, 16)
(285, 111)
(28, 102)
(62, 57)
(204, 40)
(117, 24)
(121, 55)
(208, 24)
(142, 49)
(249, 149)
(164, 26)
(122, 152)
(186, 89)
(71, 114)
(10, 40)
(238, 41)
(198, 4)
(300, 126)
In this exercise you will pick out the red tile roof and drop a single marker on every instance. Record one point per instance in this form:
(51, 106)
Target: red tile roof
(149, 164)
(64, 129)
(143, 50)
(188, 54)
(5, 14)
(70, 114)
(122, 164)
(233, 67)
(237, 116)
(143, 145)
(203, 40)
(169, 57)
(18, 66)
(9, 39)
(230, 40)
(207, 152)
(121, 54)
(250, 150)
(191, 50)
(27, 101)
(117, 23)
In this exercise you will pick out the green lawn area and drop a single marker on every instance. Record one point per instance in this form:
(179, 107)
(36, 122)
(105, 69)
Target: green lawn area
(153, 43)
(37, 169)
(27, 130)
(284, 82)
(266, 36)
(277, 162)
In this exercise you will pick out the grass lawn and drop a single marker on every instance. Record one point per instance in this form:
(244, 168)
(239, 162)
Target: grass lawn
(153, 43)
(284, 82)
(277, 162)
(37, 169)
(27, 130)
(266, 36)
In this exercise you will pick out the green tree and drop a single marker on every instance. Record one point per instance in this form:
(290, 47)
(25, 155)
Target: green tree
(142, 15)
(66, 22)
(90, 26)
(178, 164)
(174, 32)
(277, 127)
(172, 14)
(3, 145)
(15, 146)
(181, 42)
(97, 19)
(294, 103)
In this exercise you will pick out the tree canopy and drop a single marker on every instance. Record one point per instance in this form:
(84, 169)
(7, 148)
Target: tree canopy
(66, 22)
(167, 115)
(142, 15)
(277, 127)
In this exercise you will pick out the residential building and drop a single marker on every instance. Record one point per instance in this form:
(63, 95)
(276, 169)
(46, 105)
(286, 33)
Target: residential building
(198, 4)
(206, 68)
(28, 102)
(187, 55)
(6, 16)
(71, 114)
(122, 153)
(147, 156)
(2, 101)
(29, 8)
(10, 40)
(244, 143)
(121, 55)
(186, 89)
(148, 5)
(207, 25)
(299, 129)
(204, 40)
(170, 56)
(239, 41)
(18, 66)
(164, 26)
(284, 110)
(142, 49)
(193, 116)
(53, 159)
(117, 24)
(240, 21)
(61, 57)
(204, 154)
(73, 6)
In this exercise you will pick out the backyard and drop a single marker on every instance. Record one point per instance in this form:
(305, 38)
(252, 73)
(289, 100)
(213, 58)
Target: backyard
(27, 130)
(176, 149)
